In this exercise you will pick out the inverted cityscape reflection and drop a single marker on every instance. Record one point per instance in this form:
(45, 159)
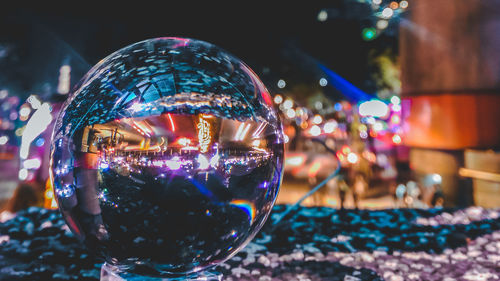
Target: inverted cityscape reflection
(167, 157)
(196, 168)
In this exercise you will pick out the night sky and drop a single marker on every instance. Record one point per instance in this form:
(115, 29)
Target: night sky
(277, 41)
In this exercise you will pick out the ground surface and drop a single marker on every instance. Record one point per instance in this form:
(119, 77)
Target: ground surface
(315, 244)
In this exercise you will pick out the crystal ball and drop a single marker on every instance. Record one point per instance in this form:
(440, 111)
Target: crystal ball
(167, 155)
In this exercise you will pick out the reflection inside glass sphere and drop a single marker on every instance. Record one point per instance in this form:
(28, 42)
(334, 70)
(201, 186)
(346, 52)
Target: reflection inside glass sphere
(168, 156)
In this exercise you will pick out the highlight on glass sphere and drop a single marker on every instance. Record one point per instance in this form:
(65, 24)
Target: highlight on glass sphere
(167, 157)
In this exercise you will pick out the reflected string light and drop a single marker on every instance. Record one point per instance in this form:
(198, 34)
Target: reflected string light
(317, 119)
(287, 104)
(66, 191)
(330, 126)
(352, 158)
(318, 105)
(382, 24)
(395, 119)
(322, 15)
(24, 111)
(395, 100)
(387, 13)
(368, 33)
(396, 139)
(281, 83)
(3, 94)
(278, 99)
(323, 82)
(378, 126)
(315, 131)
(4, 140)
(23, 174)
(13, 116)
(300, 112)
(290, 113)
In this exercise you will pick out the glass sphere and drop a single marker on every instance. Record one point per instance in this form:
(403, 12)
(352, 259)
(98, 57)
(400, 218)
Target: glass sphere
(168, 155)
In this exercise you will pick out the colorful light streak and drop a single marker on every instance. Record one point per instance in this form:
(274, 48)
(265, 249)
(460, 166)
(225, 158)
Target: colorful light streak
(171, 122)
(246, 206)
(244, 134)
(241, 132)
(256, 134)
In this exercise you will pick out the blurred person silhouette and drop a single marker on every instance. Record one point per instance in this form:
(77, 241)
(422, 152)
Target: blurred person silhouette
(25, 195)
(316, 197)
(411, 198)
(359, 187)
(86, 160)
(343, 188)
(437, 200)
(400, 193)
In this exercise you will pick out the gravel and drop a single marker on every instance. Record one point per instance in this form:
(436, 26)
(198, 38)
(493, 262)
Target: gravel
(318, 243)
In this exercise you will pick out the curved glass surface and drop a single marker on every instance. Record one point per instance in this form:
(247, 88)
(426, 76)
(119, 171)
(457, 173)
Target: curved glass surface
(167, 156)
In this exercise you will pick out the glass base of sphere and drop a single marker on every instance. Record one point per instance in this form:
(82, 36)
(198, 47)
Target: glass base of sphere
(113, 273)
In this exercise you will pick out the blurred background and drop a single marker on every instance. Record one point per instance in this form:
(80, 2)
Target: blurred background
(405, 94)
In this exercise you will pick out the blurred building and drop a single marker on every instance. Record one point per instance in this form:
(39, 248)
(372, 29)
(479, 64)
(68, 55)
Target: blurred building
(450, 59)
